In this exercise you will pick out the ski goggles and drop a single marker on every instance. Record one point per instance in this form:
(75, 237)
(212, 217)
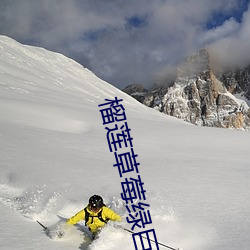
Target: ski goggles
(94, 208)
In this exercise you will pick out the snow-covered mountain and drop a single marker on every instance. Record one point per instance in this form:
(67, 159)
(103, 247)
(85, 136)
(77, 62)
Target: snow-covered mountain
(54, 155)
(201, 95)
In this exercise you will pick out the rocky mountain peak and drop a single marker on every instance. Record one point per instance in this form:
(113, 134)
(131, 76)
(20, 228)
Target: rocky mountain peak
(196, 64)
(200, 96)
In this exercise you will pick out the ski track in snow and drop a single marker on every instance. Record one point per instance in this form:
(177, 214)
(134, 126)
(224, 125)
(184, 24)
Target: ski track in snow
(36, 205)
(40, 204)
(32, 204)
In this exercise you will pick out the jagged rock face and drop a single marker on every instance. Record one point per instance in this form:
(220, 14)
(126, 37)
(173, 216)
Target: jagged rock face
(134, 88)
(204, 102)
(199, 97)
(237, 81)
(137, 91)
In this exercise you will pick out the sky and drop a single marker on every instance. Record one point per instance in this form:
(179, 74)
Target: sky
(132, 41)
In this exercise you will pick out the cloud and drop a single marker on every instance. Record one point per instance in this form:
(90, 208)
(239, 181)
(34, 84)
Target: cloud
(123, 42)
(228, 28)
(233, 49)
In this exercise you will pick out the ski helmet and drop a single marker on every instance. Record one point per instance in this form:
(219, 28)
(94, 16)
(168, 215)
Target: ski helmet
(95, 202)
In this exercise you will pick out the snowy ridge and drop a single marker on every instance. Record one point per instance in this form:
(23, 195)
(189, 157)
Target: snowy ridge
(54, 155)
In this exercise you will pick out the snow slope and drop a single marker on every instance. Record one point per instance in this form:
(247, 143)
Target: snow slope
(54, 155)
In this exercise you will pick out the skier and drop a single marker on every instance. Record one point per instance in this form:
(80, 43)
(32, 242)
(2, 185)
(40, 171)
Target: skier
(95, 214)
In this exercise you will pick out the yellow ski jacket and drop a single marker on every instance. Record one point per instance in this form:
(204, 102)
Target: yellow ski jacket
(94, 223)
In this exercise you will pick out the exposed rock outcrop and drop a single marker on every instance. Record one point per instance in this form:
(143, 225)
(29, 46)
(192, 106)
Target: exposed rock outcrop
(199, 96)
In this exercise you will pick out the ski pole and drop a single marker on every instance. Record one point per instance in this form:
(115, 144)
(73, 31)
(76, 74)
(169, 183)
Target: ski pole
(130, 231)
(45, 228)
